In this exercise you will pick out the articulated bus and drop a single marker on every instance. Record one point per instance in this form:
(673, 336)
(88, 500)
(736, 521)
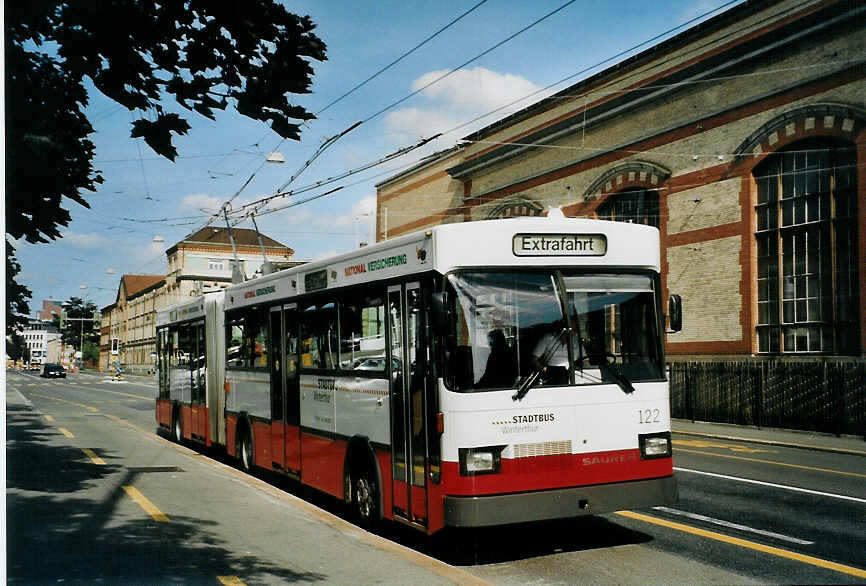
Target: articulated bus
(191, 370)
(469, 375)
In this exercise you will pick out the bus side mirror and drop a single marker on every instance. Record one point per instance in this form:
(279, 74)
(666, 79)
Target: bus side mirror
(675, 313)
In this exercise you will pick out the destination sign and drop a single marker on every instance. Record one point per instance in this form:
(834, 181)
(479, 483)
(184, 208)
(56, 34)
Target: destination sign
(559, 244)
(316, 281)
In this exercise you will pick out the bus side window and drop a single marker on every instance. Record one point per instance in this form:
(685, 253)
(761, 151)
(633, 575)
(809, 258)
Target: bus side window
(234, 344)
(319, 340)
(362, 333)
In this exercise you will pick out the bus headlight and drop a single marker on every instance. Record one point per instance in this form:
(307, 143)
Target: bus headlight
(655, 445)
(474, 461)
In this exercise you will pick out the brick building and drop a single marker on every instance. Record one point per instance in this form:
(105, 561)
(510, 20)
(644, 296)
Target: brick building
(202, 261)
(742, 139)
(50, 309)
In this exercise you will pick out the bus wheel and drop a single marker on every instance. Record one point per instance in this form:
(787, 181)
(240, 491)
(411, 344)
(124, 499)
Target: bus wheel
(177, 428)
(246, 452)
(365, 498)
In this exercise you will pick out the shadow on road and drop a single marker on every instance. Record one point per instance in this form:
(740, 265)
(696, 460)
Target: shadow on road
(468, 547)
(62, 527)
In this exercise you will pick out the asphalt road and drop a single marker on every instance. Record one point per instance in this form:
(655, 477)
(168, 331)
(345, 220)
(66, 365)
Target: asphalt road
(94, 495)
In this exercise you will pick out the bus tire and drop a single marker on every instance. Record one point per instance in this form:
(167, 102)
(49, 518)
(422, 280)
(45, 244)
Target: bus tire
(364, 496)
(246, 453)
(176, 425)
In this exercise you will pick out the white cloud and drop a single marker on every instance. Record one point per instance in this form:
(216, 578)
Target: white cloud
(365, 205)
(153, 253)
(201, 202)
(84, 240)
(459, 98)
(324, 255)
(475, 89)
(698, 8)
(412, 124)
(361, 219)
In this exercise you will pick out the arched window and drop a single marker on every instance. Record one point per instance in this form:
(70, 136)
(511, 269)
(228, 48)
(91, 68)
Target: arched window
(807, 248)
(516, 209)
(636, 206)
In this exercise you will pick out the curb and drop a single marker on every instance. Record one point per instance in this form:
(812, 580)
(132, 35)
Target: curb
(769, 442)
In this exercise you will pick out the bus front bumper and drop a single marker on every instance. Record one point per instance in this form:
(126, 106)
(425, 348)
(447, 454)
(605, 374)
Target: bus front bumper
(482, 511)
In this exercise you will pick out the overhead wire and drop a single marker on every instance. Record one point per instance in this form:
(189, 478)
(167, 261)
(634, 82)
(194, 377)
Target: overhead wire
(507, 39)
(384, 159)
(677, 189)
(328, 142)
(401, 152)
(468, 62)
(401, 57)
(599, 148)
(591, 67)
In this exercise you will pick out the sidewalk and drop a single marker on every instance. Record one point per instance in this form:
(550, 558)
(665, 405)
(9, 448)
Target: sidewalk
(811, 440)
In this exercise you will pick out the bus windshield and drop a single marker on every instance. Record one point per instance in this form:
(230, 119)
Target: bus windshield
(561, 327)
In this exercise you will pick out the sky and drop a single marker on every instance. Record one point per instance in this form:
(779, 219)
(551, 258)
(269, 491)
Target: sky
(148, 203)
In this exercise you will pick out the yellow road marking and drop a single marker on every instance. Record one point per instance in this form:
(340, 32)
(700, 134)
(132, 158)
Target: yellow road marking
(93, 457)
(139, 397)
(732, 447)
(766, 442)
(48, 418)
(88, 407)
(231, 581)
(806, 559)
(66, 432)
(145, 504)
(786, 465)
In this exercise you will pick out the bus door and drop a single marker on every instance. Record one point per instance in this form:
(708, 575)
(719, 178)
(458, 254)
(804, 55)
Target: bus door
(408, 368)
(198, 392)
(285, 398)
(292, 398)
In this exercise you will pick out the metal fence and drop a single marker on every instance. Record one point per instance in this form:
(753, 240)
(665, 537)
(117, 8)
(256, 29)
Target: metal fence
(826, 396)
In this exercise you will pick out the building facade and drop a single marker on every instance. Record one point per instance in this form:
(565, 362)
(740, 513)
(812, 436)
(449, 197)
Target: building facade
(742, 139)
(50, 309)
(131, 321)
(42, 338)
(203, 261)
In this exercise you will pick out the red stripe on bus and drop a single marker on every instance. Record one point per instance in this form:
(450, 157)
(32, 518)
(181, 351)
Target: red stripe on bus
(559, 471)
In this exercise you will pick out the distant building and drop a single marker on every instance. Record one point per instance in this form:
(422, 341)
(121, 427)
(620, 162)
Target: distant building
(131, 321)
(50, 309)
(39, 336)
(201, 262)
(204, 260)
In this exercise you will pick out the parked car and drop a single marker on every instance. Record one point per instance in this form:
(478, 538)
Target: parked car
(51, 370)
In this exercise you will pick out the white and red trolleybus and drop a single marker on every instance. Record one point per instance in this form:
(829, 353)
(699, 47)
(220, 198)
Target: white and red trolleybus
(472, 374)
(190, 353)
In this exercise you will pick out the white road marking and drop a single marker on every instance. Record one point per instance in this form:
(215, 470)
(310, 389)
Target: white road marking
(772, 485)
(736, 526)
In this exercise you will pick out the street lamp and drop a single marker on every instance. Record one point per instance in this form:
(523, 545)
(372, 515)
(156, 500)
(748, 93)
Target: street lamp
(276, 157)
(81, 335)
(357, 221)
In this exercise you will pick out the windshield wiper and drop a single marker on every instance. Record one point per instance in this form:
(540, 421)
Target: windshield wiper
(544, 360)
(617, 377)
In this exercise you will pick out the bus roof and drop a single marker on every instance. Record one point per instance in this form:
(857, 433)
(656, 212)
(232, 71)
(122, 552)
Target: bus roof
(192, 308)
(506, 243)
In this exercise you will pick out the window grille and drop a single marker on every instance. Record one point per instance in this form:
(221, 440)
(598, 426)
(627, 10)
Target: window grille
(807, 245)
